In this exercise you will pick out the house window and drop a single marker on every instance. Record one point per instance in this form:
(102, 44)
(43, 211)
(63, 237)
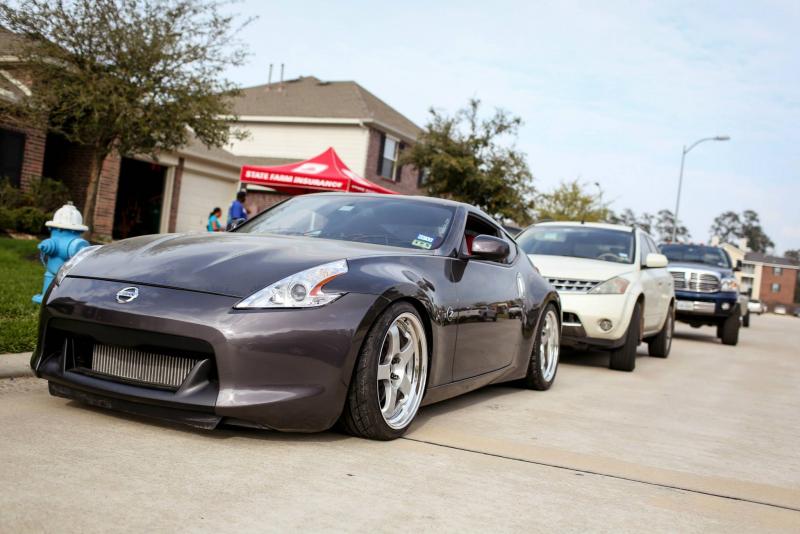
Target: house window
(12, 148)
(777, 271)
(422, 180)
(776, 288)
(388, 162)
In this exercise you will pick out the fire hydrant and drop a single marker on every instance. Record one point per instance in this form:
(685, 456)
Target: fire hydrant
(64, 242)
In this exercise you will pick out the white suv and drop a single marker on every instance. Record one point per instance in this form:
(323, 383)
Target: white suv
(614, 286)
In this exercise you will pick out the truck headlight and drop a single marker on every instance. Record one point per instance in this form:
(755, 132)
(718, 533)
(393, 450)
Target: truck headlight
(300, 290)
(79, 256)
(614, 286)
(729, 284)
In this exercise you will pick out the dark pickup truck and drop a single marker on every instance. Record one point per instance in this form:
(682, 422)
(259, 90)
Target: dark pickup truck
(706, 291)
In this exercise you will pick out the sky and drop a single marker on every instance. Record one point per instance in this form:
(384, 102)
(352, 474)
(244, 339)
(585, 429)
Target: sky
(609, 92)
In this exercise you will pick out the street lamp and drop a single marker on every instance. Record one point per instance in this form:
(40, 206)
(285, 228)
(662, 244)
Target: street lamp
(680, 177)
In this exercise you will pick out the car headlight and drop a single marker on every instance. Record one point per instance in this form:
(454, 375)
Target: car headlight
(613, 286)
(79, 256)
(301, 290)
(729, 284)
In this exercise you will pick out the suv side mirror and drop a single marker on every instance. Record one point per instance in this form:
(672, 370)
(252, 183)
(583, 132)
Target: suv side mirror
(487, 247)
(738, 266)
(655, 261)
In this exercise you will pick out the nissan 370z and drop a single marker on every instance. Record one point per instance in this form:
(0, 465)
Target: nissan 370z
(326, 308)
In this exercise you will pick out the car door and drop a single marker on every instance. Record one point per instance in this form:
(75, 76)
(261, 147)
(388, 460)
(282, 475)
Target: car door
(657, 285)
(489, 313)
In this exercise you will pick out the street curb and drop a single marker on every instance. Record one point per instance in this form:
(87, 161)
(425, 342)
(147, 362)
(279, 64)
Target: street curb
(15, 365)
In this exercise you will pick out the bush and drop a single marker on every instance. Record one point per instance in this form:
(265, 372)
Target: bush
(29, 220)
(10, 196)
(46, 194)
(7, 221)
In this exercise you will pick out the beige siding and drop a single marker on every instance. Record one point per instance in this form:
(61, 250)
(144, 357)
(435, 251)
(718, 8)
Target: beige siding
(303, 141)
(199, 194)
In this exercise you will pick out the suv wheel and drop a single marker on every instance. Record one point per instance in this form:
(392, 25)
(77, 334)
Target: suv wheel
(728, 331)
(624, 358)
(660, 344)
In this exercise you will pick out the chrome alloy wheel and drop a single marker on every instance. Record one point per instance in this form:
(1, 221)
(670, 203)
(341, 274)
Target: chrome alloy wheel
(549, 346)
(402, 370)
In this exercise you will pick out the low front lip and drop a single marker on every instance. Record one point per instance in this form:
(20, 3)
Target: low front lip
(283, 369)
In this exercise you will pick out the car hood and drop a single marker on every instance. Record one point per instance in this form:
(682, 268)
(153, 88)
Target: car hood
(578, 268)
(719, 271)
(226, 263)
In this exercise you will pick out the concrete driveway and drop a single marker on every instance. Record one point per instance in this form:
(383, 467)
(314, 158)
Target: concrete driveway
(707, 440)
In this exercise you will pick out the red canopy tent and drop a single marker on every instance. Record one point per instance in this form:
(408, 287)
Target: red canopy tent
(326, 172)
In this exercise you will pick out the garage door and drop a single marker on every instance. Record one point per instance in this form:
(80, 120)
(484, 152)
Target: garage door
(198, 196)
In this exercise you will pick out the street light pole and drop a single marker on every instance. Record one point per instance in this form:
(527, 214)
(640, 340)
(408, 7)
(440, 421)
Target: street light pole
(680, 176)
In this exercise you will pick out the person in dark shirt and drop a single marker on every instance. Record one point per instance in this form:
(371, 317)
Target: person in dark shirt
(237, 209)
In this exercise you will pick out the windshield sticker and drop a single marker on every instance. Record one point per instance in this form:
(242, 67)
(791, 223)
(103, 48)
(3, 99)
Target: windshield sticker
(421, 244)
(422, 237)
(623, 255)
(347, 208)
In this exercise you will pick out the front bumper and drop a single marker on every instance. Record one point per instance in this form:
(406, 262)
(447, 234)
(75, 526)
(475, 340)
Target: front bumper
(589, 310)
(280, 369)
(695, 305)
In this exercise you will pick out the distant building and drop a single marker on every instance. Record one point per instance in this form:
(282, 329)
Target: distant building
(771, 279)
(287, 121)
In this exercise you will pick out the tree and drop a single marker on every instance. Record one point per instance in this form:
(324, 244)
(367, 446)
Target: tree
(133, 76)
(664, 224)
(629, 218)
(730, 226)
(469, 159)
(571, 201)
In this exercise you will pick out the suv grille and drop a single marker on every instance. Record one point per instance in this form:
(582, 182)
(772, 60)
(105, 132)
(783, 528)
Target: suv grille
(694, 281)
(576, 286)
(144, 367)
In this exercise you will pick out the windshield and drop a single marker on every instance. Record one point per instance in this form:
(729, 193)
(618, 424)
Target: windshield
(578, 242)
(712, 256)
(396, 222)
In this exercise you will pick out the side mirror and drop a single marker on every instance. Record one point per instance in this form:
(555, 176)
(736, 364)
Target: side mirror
(655, 261)
(235, 224)
(486, 247)
(738, 266)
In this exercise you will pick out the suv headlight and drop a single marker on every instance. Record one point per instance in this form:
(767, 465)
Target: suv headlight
(614, 286)
(729, 284)
(301, 290)
(79, 256)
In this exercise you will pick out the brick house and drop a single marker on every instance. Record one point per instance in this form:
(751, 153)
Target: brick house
(771, 279)
(288, 121)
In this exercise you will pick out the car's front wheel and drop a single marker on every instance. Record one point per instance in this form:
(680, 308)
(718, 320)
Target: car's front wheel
(728, 330)
(390, 376)
(660, 344)
(624, 358)
(543, 364)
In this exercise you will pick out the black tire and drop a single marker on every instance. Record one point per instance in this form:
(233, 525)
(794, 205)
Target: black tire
(746, 320)
(362, 414)
(728, 331)
(624, 358)
(660, 344)
(535, 378)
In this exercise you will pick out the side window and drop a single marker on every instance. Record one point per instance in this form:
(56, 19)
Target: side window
(477, 226)
(644, 249)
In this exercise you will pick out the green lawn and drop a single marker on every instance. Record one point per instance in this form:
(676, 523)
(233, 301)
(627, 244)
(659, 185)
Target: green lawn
(20, 278)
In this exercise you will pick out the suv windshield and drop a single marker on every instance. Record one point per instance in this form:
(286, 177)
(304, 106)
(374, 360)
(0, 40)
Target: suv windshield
(384, 221)
(578, 242)
(712, 256)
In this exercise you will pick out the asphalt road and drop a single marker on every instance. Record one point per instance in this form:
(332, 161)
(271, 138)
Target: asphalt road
(707, 440)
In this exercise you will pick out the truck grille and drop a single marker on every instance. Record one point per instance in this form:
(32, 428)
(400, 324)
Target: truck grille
(571, 285)
(137, 366)
(694, 281)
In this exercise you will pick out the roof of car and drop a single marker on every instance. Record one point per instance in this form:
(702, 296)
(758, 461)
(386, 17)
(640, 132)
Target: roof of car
(606, 226)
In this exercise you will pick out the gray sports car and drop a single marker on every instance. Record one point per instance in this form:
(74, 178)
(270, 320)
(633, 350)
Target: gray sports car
(326, 308)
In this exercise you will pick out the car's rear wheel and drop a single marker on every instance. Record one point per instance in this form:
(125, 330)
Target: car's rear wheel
(624, 358)
(728, 331)
(390, 376)
(746, 320)
(543, 364)
(660, 344)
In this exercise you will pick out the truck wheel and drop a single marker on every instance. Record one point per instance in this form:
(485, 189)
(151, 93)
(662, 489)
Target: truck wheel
(661, 343)
(624, 358)
(728, 331)
(746, 320)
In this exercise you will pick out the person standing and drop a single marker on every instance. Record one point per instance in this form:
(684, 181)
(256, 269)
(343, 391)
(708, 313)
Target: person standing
(237, 210)
(214, 224)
